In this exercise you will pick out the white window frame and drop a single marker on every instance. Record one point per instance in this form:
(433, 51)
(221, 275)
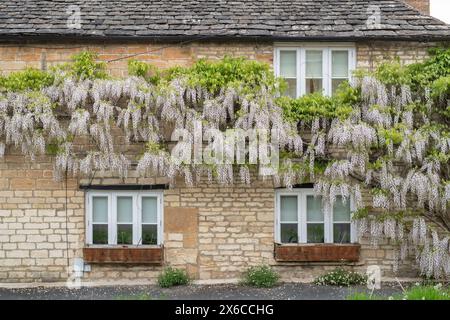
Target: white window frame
(112, 215)
(327, 50)
(302, 217)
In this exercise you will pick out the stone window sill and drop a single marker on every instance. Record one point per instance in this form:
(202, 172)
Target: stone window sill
(124, 254)
(317, 252)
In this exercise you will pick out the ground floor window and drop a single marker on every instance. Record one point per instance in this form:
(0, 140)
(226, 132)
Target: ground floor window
(300, 219)
(124, 218)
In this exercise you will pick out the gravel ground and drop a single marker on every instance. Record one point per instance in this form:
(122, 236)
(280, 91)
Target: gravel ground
(286, 291)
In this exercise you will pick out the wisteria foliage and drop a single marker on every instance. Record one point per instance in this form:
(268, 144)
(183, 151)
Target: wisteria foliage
(405, 174)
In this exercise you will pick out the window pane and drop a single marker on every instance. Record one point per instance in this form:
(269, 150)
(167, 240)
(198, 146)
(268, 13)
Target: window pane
(100, 209)
(339, 63)
(341, 211)
(314, 211)
(289, 233)
(341, 232)
(335, 83)
(313, 85)
(288, 206)
(149, 209)
(149, 234)
(288, 64)
(100, 234)
(125, 209)
(124, 234)
(291, 89)
(313, 64)
(315, 233)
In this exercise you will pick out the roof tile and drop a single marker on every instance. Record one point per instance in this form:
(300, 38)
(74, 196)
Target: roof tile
(271, 19)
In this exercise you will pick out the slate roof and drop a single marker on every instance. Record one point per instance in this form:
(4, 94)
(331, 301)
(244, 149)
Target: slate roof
(186, 19)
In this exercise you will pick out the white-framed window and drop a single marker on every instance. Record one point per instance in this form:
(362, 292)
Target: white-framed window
(309, 68)
(124, 218)
(299, 218)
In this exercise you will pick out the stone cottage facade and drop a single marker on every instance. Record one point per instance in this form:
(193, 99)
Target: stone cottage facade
(214, 232)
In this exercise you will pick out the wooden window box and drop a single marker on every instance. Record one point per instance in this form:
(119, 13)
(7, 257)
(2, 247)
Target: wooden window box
(317, 252)
(124, 255)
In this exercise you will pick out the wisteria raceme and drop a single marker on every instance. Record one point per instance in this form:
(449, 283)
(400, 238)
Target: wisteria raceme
(312, 158)
(359, 136)
(404, 152)
(358, 161)
(377, 117)
(390, 226)
(315, 125)
(358, 196)
(420, 143)
(374, 92)
(76, 94)
(376, 232)
(447, 192)
(406, 98)
(408, 119)
(338, 169)
(363, 227)
(2, 149)
(422, 230)
(320, 146)
(368, 176)
(79, 123)
(244, 173)
(188, 178)
(151, 163)
(289, 174)
(415, 232)
(396, 259)
(381, 200)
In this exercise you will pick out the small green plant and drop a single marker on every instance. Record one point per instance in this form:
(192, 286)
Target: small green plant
(138, 68)
(147, 71)
(149, 238)
(427, 293)
(417, 292)
(441, 86)
(173, 277)
(392, 72)
(100, 236)
(341, 277)
(394, 135)
(292, 236)
(261, 276)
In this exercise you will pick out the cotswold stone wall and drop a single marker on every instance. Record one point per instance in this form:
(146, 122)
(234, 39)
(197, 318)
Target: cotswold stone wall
(33, 220)
(214, 232)
(44, 55)
(371, 54)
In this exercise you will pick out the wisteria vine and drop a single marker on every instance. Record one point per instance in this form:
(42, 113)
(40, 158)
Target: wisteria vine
(392, 143)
